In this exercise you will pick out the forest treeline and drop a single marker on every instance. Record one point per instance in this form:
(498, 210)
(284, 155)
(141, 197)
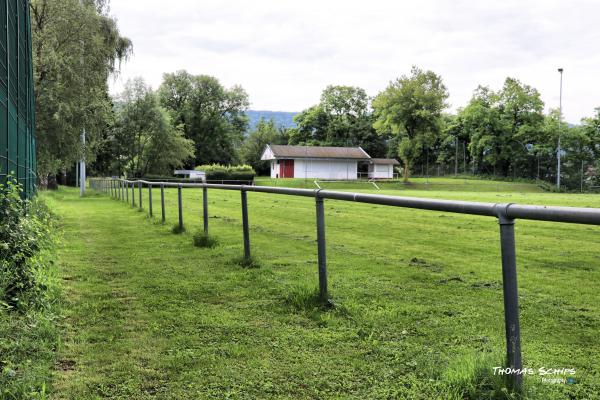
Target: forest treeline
(192, 120)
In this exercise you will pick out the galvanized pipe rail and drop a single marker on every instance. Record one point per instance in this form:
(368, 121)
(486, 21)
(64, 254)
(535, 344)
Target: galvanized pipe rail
(506, 214)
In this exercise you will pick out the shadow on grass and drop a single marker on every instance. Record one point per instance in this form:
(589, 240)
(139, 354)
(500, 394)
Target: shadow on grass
(177, 230)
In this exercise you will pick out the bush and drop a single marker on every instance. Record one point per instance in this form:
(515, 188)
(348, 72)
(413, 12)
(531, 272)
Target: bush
(246, 262)
(177, 230)
(25, 232)
(217, 172)
(201, 239)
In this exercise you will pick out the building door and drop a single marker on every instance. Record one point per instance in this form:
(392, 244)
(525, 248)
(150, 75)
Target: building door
(287, 168)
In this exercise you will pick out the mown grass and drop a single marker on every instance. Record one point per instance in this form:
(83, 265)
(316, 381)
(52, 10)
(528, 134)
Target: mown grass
(418, 300)
(453, 184)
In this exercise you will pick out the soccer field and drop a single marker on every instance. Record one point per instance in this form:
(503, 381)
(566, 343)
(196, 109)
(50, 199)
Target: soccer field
(418, 298)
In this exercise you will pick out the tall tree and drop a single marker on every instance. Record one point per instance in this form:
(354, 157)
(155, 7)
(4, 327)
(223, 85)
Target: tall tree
(76, 46)
(343, 117)
(411, 108)
(265, 133)
(210, 114)
(144, 139)
(504, 128)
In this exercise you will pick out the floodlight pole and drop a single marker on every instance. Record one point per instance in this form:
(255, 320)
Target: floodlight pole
(558, 151)
(82, 167)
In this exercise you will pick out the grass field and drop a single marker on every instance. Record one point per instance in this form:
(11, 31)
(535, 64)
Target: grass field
(418, 299)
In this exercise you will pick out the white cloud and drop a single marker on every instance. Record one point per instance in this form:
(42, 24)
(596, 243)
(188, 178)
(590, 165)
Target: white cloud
(285, 52)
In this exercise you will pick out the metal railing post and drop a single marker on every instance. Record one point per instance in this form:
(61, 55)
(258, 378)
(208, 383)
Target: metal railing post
(119, 189)
(246, 228)
(126, 189)
(511, 297)
(180, 206)
(132, 194)
(162, 202)
(150, 199)
(141, 204)
(122, 186)
(321, 248)
(205, 209)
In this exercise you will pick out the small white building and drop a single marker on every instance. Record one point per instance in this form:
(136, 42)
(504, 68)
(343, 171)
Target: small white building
(191, 174)
(382, 168)
(314, 162)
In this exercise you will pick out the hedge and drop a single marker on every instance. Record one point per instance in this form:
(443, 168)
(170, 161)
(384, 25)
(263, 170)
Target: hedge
(217, 172)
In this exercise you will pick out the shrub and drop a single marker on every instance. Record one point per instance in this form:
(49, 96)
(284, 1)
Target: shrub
(247, 262)
(25, 232)
(176, 229)
(201, 239)
(218, 172)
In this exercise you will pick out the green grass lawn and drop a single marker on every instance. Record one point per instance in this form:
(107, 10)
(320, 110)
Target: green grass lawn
(418, 299)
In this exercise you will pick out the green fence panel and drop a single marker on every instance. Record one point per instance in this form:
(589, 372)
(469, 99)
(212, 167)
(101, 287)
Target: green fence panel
(17, 102)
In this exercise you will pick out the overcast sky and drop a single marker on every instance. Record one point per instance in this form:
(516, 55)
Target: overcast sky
(284, 53)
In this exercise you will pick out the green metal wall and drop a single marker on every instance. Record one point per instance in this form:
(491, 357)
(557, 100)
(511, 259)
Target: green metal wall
(17, 106)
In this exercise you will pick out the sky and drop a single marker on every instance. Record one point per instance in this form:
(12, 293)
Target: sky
(284, 53)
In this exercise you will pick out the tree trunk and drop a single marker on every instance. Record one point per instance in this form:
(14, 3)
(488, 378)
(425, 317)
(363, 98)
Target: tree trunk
(406, 170)
(52, 183)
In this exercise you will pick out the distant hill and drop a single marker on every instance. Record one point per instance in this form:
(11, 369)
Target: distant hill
(282, 118)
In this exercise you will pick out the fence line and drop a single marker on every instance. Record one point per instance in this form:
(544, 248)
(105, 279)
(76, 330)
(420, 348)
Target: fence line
(506, 214)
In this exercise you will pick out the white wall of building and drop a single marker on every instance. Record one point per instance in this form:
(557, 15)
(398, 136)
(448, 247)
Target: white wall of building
(274, 169)
(325, 169)
(381, 171)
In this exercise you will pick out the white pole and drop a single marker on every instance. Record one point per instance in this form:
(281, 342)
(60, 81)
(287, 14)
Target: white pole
(82, 168)
(82, 165)
(558, 151)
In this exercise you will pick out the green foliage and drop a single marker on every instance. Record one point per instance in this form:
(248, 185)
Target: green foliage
(342, 118)
(201, 239)
(76, 47)
(265, 133)
(28, 296)
(210, 115)
(25, 232)
(503, 127)
(144, 138)
(218, 172)
(411, 107)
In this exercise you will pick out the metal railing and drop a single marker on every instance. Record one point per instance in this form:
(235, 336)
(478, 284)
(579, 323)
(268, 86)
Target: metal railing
(506, 214)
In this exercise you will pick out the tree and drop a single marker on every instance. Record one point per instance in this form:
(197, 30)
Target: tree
(144, 139)
(210, 115)
(480, 123)
(265, 133)
(411, 108)
(76, 46)
(342, 118)
(503, 128)
(591, 127)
